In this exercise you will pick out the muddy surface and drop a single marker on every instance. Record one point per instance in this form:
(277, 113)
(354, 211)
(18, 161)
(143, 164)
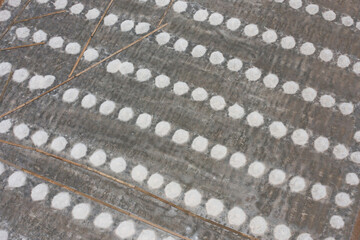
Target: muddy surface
(214, 179)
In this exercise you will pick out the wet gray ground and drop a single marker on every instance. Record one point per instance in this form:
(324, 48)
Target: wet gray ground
(179, 163)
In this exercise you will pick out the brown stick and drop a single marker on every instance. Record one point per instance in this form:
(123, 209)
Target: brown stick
(6, 84)
(41, 16)
(94, 199)
(82, 72)
(166, 11)
(22, 46)
(90, 38)
(355, 235)
(129, 186)
(16, 17)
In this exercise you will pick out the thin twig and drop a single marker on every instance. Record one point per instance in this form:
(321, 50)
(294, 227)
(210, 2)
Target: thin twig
(16, 17)
(82, 72)
(166, 11)
(41, 16)
(94, 199)
(6, 84)
(129, 186)
(22, 46)
(90, 38)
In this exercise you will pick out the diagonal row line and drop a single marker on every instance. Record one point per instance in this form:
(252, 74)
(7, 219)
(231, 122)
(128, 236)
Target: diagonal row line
(129, 186)
(94, 199)
(82, 72)
(70, 78)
